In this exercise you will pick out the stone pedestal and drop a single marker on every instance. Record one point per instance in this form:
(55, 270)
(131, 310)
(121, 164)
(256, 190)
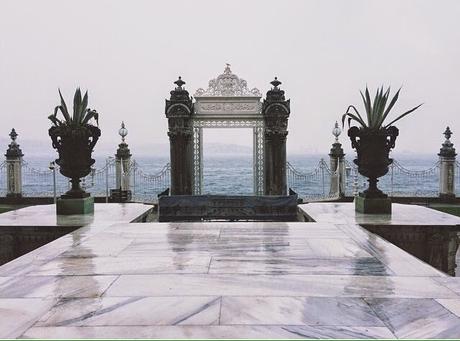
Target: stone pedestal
(373, 205)
(75, 206)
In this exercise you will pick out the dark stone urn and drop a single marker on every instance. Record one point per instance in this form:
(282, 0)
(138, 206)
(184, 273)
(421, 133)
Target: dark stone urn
(75, 145)
(373, 148)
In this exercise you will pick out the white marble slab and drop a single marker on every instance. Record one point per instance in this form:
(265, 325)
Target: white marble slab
(275, 285)
(89, 266)
(210, 332)
(453, 283)
(413, 215)
(19, 314)
(451, 304)
(276, 265)
(55, 286)
(45, 215)
(298, 311)
(420, 318)
(330, 279)
(134, 311)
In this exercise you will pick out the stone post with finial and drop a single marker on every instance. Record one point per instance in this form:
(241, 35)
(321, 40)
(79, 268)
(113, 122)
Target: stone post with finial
(122, 160)
(275, 110)
(122, 193)
(14, 167)
(447, 159)
(337, 164)
(179, 110)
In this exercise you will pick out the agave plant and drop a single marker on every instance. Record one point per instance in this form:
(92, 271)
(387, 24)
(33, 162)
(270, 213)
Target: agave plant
(81, 114)
(376, 111)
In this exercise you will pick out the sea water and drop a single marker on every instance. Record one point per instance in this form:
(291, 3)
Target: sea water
(234, 175)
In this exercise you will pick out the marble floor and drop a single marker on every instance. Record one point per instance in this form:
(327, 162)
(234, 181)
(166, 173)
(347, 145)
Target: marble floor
(324, 279)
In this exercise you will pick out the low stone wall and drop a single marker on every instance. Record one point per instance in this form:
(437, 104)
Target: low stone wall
(435, 245)
(16, 241)
(227, 207)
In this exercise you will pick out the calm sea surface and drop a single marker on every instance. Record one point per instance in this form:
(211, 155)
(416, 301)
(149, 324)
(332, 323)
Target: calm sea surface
(234, 175)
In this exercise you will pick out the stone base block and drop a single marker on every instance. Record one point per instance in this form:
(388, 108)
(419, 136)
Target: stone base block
(75, 206)
(447, 197)
(373, 205)
(118, 195)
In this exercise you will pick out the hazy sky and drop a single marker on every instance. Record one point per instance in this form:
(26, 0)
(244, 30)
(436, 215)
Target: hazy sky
(128, 53)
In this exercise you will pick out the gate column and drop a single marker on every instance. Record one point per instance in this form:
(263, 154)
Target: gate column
(179, 109)
(275, 110)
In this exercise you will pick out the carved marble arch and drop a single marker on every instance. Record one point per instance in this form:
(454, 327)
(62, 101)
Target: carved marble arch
(228, 103)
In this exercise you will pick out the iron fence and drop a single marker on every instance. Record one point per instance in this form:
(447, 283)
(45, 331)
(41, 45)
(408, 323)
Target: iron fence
(317, 183)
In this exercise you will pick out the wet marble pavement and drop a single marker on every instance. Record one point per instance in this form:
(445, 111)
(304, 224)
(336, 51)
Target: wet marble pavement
(326, 279)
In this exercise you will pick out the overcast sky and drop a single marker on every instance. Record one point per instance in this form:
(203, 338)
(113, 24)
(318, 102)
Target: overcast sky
(128, 53)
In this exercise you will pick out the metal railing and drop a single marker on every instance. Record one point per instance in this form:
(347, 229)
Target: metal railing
(49, 182)
(400, 181)
(317, 183)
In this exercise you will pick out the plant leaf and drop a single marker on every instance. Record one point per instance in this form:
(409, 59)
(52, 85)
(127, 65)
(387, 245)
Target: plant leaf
(76, 106)
(89, 115)
(354, 118)
(369, 107)
(382, 114)
(405, 114)
(64, 110)
(365, 106)
(55, 120)
(375, 107)
(390, 106)
(84, 104)
(357, 113)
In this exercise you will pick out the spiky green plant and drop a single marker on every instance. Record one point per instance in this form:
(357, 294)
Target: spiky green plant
(377, 111)
(81, 113)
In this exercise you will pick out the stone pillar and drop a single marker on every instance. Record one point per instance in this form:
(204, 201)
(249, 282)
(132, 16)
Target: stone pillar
(122, 192)
(447, 168)
(276, 110)
(122, 158)
(179, 110)
(337, 162)
(14, 167)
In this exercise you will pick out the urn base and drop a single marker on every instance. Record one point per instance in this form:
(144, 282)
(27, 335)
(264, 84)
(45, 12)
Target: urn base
(373, 205)
(75, 206)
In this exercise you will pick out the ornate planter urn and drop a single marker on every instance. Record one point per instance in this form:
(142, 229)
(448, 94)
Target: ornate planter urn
(373, 148)
(75, 145)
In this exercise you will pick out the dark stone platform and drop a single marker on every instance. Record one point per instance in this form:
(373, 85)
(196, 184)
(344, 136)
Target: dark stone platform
(227, 207)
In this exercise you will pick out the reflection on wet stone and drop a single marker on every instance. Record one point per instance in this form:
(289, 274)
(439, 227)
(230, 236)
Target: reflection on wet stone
(326, 279)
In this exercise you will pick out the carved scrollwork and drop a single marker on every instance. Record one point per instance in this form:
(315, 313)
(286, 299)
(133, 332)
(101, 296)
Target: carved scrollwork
(227, 85)
(230, 107)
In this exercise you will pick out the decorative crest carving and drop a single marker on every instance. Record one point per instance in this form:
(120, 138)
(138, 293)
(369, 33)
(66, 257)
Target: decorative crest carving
(228, 85)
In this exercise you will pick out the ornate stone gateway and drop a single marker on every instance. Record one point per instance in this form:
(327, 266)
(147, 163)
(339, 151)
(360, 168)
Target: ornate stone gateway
(228, 103)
